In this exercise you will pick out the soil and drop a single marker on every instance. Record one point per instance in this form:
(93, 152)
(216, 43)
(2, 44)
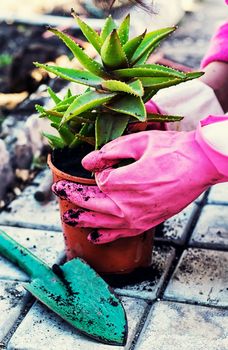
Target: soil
(24, 44)
(69, 160)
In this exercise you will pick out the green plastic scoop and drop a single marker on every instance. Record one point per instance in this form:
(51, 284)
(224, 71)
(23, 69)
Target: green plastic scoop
(74, 291)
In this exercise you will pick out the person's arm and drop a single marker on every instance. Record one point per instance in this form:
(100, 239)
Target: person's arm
(199, 98)
(216, 76)
(215, 65)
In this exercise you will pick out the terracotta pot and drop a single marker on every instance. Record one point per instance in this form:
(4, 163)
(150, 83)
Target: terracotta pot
(121, 256)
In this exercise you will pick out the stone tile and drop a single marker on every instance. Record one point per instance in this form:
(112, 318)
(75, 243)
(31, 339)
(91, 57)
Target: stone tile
(200, 277)
(219, 194)
(176, 228)
(146, 283)
(13, 298)
(41, 329)
(176, 326)
(47, 245)
(25, 211)
(211, 229)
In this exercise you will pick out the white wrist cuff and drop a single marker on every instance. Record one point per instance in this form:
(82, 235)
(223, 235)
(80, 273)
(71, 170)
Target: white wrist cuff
(217, 156)
(216, 135)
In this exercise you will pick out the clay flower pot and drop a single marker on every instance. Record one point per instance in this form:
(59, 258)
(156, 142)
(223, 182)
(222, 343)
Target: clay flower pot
(121, 256)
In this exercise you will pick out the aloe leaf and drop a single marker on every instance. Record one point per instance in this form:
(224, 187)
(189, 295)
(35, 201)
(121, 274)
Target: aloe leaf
(149, 70)
(194, 75)
(144, 58)
(107, 28)
(48, 113)
(131, 46)
(90, 34)
(88, 139)
(148, 94)
(123, 30)
(131, 105)
(112, 53)
(163, 118)
(52, 113)
(53, 95)
(54, 119)
(134, 87)
(80, 120)
(162, 71)
(63, 105)
(68, 94)
(84, 135)
(109, 127)
(74, 75)
(150, 42)
(89, 115)
(66, 135)
(160, 82)
(64, 132)
(86, 61)
(86, 102)
(54, 141)
(40, 109)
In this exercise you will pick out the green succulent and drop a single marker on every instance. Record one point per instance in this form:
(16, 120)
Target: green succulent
(117, 85)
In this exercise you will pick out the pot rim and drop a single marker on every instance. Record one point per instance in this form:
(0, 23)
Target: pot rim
(67, 176)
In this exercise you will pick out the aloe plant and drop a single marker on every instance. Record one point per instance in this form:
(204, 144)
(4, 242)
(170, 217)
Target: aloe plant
(117, 85)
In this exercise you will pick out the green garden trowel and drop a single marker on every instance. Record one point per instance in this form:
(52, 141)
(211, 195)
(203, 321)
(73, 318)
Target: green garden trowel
(74, 291)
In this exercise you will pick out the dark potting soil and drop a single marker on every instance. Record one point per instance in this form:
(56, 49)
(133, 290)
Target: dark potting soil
(69, 160)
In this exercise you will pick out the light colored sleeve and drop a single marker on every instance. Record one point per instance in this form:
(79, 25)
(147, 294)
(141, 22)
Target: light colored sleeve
(193, 100)
(216, 135)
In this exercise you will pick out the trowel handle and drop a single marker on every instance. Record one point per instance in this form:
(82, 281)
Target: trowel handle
(21, 256)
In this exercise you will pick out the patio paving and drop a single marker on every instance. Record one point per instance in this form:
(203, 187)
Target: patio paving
(200, 328)
(186, 285)
(179, 303)
(211, 230)
(201, 277)
(42, 329)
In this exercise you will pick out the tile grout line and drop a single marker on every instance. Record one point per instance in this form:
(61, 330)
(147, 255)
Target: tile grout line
(179, 249)
(187, 302)
(29, 304)
(142, 323)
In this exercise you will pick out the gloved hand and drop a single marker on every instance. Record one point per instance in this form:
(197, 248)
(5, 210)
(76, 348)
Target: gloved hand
(218, 49)
(170, 169)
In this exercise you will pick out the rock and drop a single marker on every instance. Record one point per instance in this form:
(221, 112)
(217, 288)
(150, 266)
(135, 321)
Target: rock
(17, 143)
(6, 172)
(34, 128)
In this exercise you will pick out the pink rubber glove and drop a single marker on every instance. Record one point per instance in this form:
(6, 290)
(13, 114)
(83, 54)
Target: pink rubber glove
(218, 49)
(169, 171)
